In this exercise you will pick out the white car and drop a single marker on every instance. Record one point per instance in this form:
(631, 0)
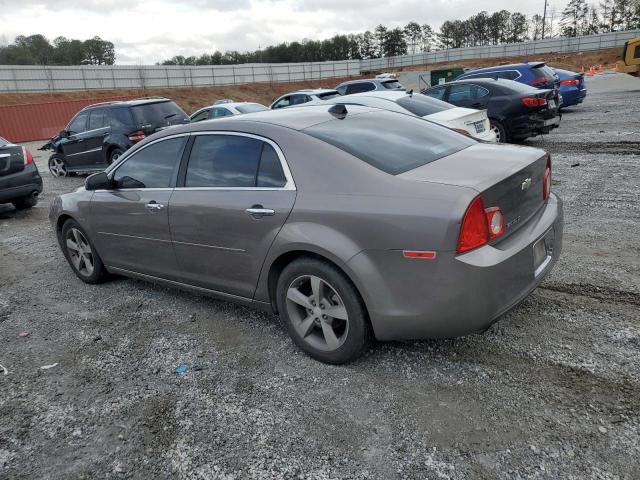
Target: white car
(226, 109)
(474, 123)
(315, 96)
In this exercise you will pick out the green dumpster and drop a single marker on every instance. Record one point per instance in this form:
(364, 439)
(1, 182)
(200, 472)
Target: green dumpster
(445, 75)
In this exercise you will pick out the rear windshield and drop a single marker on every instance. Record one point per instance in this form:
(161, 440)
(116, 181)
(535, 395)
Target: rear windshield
(327, 95)
(390, 142)
(392, 84)
(422, 105)
(544, 71)
(158, 114)
(250, 108)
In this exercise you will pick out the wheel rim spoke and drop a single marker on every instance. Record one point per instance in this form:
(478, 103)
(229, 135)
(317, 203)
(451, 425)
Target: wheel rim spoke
(72, 245)
(337, 311)
(298, 297)
(76, 259)
(317, 289)
(306, 326)
(330, 335)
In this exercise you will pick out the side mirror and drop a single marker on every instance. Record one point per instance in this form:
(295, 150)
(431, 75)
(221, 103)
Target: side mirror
(98, 181)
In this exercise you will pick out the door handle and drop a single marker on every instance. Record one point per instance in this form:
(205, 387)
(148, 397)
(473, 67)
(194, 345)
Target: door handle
(258, 211)
(153, 205)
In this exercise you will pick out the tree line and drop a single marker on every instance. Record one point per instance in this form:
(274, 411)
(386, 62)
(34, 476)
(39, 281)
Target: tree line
(483, 28)
(37, 50)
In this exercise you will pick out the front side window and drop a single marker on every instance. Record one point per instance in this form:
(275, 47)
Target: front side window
(78, 124)
(96, 119)
(405, 143)
(200, 116)
(151, 167)
(233, 161)
(299, 99)
(283, 102)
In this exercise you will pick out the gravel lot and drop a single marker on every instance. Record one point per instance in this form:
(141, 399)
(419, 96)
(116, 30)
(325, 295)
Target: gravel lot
(551, 391)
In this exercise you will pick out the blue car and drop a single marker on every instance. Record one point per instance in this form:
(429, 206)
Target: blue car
(536, 74)
(572, 87)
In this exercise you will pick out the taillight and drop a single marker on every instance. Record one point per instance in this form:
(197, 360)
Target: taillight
(546, 180)
(534, 101)
(462, 131)
(136, 136)
(479, 226)
(570, 82)
(538, 81)
(28, 158)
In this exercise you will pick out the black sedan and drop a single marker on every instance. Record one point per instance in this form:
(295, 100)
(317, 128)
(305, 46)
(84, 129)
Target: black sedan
(20, 182)
(516, 111)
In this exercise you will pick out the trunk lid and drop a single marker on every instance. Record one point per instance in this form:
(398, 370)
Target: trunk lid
(509, 177)
(473, 121)
(11, 159)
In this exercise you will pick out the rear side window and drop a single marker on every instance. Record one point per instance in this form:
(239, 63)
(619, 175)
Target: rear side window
(464, 92)
(360, 87)
(270, 172)
(220, 112)
(422, 105)
(251, 107)
(96, 119)
(437, 92)
(158, 114)
(150, 167)
(392, 84)
(120, 117)
(327, 95)
(223, 161)
(390, 142)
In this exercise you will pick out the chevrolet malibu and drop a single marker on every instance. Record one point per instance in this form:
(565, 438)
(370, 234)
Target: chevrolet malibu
(347, 230)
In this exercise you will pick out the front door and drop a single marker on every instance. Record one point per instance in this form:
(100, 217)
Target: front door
(130, 221)
(228, 208)
(72, 145)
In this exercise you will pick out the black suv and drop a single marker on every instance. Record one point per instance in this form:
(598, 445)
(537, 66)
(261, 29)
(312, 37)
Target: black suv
(100, 133)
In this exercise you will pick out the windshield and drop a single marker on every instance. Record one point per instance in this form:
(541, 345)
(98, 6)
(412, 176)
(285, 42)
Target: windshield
(251, 107)
(390, 142)
(160, 113)
(422, 105)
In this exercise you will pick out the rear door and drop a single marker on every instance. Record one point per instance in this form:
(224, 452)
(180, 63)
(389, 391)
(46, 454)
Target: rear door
(98, 129)
(468, 95)
(130, 222)
(234, 194)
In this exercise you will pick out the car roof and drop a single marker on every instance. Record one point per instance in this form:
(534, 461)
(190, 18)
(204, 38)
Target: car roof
(483, 81)
(313, 91)
(128, 103)
(231, 104)
(511, 66)
(363, 80)
(385, 94)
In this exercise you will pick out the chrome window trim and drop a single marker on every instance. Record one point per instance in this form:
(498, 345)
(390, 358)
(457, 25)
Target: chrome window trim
(289, 185)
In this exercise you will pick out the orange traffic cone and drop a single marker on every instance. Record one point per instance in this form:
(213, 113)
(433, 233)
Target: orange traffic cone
(590, 73)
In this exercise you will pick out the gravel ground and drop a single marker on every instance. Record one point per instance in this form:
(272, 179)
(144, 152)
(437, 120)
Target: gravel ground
(551, 391)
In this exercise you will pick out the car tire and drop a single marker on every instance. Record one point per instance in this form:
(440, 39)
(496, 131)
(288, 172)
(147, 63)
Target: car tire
(84, 261)
(498, 129)
(115, 154)
(25, 202)
(308, 292)
(57, 166)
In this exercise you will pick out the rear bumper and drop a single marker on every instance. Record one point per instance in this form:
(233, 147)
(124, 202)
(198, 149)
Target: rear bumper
(573, 96)
(525, 126)
(454, 295)
(20, 184)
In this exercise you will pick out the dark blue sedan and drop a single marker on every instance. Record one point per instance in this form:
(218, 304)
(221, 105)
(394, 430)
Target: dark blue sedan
(572, 87)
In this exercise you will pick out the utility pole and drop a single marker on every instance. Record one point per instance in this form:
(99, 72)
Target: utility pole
(544, 18)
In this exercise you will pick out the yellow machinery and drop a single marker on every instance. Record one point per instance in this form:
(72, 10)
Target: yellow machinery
(630, 62)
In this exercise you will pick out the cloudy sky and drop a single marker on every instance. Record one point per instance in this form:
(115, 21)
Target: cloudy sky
(152, 30)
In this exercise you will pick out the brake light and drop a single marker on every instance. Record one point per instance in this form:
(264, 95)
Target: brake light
(570, 82)
(136, 136)
(28, 158)
(546, 180)
(534, 101)
(479, 226)
(462, 131)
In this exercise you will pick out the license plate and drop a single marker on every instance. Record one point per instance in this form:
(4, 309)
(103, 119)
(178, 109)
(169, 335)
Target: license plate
(479, 127)
(552, 104)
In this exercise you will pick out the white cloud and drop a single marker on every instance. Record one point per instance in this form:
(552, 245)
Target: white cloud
(150, 31)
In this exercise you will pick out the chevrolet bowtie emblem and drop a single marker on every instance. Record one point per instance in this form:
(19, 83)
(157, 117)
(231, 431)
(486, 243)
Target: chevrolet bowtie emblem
(526, 184)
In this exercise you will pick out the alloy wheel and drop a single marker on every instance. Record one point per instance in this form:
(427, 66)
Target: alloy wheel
(57, 167)
(317, 312)
(496, 130)
(80, 252)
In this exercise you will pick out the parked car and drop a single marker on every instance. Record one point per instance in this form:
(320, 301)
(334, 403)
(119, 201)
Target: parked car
(226, 109)
(474, 123)
(312, 96)
(572, 87)
(20, 181)
(348, 221)
(534, 74)
(368, 85)
(99, 134)
(516, 111)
